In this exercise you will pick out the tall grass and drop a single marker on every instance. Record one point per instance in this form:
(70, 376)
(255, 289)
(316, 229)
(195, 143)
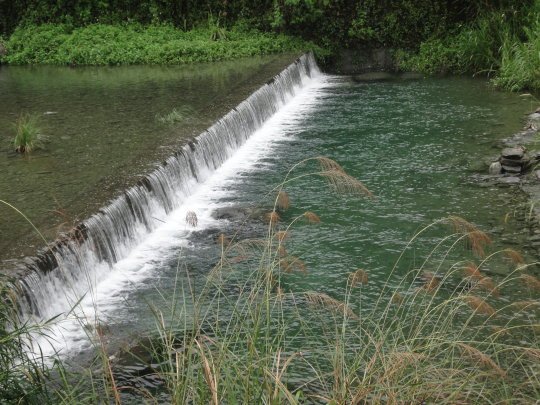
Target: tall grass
(437, 333)
(22, 379)
(520, 61)
(502, 45)
(440, 335)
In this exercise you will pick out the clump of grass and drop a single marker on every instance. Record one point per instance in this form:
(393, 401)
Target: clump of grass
(28, 136)
(176, 116)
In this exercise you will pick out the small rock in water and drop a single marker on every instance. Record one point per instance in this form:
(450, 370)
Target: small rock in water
(510, 162)
(513, 153)
(511, 169)
(374, 77)
(411, 76)
(510, 180)
(495, 168)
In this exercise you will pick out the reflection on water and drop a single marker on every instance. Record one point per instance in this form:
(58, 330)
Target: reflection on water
(105, 127)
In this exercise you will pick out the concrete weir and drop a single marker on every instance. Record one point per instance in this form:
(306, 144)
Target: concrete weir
(66, 270)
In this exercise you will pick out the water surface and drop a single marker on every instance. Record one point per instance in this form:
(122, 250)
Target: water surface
(104, 131)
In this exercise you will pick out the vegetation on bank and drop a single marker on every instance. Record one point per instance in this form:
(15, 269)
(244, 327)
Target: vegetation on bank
(504, 45)
(100, 44)
(438, 332)
(496, 38)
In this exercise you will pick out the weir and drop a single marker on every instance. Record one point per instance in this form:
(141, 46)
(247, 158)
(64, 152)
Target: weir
(62, 273)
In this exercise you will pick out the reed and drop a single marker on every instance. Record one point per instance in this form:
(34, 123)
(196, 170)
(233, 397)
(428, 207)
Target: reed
(247, 336)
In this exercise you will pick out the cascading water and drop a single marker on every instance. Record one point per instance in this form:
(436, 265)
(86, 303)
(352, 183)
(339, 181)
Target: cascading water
(65, 272)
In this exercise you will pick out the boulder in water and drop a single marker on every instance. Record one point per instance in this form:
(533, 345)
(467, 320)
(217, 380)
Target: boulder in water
(495, 168)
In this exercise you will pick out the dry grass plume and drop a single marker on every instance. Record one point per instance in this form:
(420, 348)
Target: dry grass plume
(481, 359)
(359, 276)
(479, 305)
(325, 301)
(283, 201)
(531, 282)
(191, 219)
(311, 217)
(272, 218)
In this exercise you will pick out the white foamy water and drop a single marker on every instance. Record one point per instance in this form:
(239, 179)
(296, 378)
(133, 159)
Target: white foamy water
(106, 276)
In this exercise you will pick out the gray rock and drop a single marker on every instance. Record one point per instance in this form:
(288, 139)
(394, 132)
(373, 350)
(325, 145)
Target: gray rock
(495, 168)
(510, 180)
(230, 213)
(537, 173)
(411, 76)
(511, 162)
(374, 77)
(513, 153)
(534, 120)
(511, 169)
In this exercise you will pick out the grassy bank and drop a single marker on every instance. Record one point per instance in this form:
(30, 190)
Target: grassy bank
(99, 44)
(502, 45)
(445, 333)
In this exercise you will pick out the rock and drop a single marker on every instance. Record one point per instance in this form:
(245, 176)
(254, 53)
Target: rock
(495, 168)
(534, 120)
(513, 153)
(511, 169)
(411, 76)
(374, 77)
(510, 162)
(510, 180)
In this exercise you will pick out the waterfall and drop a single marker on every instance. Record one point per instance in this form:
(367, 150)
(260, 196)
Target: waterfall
(65, 271)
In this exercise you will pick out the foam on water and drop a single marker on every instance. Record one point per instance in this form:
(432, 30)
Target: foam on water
(127, 242)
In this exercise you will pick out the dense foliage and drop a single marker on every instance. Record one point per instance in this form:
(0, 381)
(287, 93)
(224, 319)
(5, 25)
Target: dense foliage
(497, 37)
(100, 44)
(503, 43)
(336, 22)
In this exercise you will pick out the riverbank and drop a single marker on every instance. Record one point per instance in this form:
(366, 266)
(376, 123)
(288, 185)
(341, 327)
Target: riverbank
(135, 44)
(502, 45)
(519, 166)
